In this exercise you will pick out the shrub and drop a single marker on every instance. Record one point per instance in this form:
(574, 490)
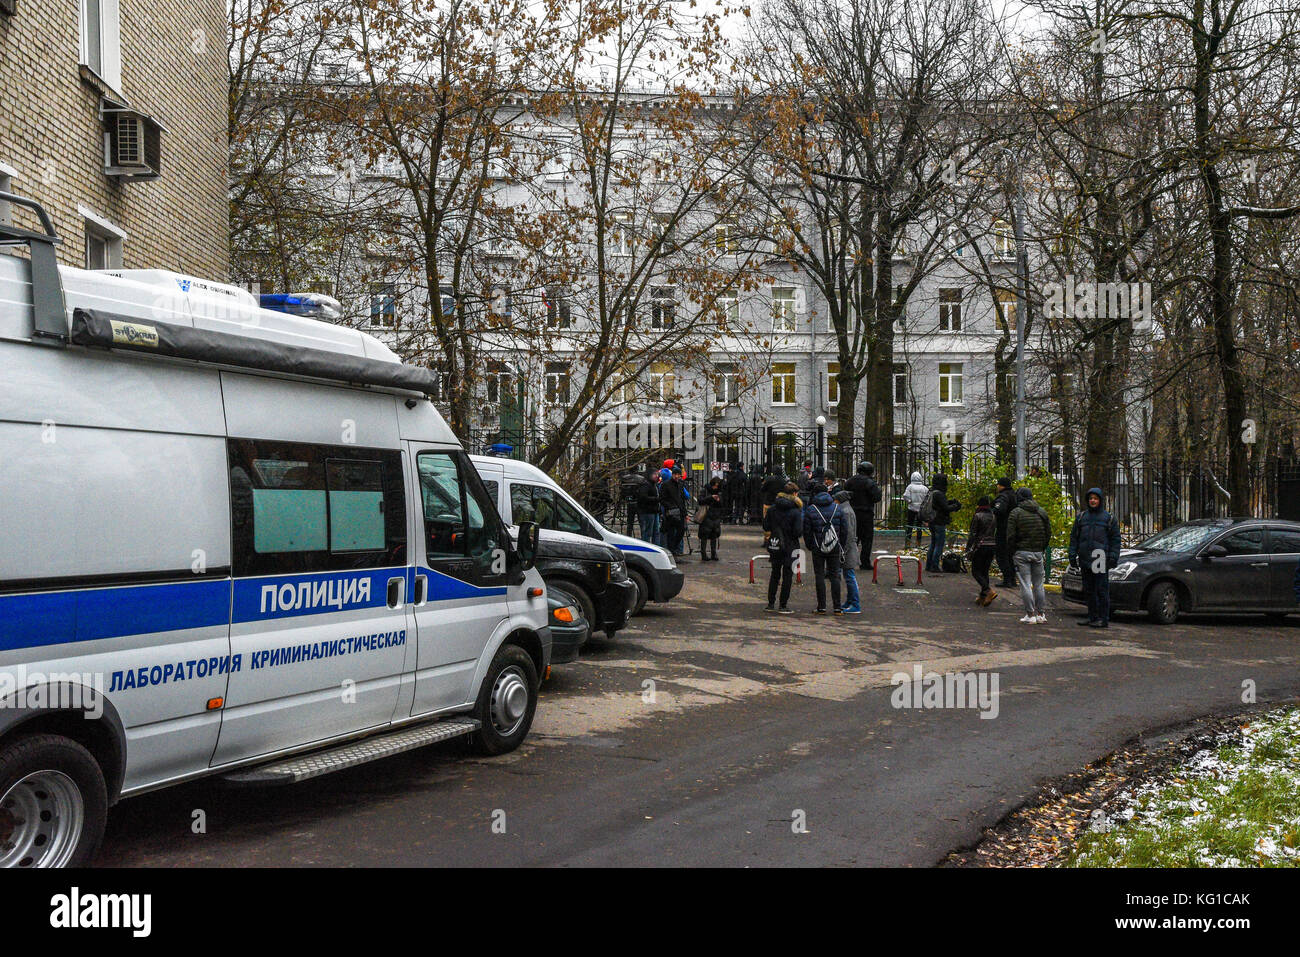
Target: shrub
(980, 476)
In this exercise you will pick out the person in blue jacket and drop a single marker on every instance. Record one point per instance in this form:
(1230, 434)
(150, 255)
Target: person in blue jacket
(1094, 548)
(817, 514)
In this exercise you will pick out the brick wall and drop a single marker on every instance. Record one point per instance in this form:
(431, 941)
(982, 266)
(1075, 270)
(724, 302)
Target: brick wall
(173, 69)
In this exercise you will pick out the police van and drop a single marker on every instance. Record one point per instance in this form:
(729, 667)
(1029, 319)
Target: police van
(525, 489)
(233, 542)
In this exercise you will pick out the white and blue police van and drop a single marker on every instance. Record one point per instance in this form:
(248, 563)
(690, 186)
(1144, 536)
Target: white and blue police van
(233, 542)
(527, 489)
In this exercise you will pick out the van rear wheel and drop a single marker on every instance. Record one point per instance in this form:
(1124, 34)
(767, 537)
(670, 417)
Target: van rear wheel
(506, 702)
(53, 803)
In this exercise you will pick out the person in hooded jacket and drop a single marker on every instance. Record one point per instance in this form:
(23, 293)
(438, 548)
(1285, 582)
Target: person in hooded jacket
(852, 597)
(710, 520)
(913, 496)
(943, 512)
(1029, 533)
(865, 494)
(783, 522)
(982, 547)
(1004, 500)
(1094, 548)
(821, 512)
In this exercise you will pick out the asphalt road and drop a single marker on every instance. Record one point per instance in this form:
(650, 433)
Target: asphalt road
(762, 740)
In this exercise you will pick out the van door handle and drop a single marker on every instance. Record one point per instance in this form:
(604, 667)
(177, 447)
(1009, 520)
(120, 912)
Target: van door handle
(421, 590)
(1259, 564)
(395, 592)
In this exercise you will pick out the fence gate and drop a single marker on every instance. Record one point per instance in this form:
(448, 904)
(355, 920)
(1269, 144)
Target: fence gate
(1288, 490)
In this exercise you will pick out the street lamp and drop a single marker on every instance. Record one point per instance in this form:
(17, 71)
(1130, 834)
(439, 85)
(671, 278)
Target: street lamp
(821, 441)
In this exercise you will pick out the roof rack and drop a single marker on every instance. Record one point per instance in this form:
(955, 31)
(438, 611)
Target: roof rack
(51, 315)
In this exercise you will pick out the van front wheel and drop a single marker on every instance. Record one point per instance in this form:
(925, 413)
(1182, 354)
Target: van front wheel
(506, 702)
(53, 803)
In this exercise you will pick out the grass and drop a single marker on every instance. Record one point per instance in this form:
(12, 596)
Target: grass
(1234, 806)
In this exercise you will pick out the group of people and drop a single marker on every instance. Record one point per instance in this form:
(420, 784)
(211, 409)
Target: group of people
(832, 523)
(663, 504)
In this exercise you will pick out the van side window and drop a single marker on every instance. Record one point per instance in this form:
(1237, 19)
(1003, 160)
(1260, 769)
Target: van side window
(309, 508)
(460, 518)
(541, 505)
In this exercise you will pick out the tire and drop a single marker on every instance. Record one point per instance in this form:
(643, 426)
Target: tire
(577, 595)
(505, 717)
(53, 803)
(642, 590)
(1163, 603)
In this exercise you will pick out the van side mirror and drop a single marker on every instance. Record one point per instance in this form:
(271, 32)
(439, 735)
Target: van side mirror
(1214, 551)
(526, 545)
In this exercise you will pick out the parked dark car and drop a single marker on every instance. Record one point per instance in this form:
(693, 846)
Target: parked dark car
(1206, 566)
(589, 574)
(569, 630)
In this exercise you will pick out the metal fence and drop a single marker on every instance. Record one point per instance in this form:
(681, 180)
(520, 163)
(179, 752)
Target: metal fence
(1145, 492)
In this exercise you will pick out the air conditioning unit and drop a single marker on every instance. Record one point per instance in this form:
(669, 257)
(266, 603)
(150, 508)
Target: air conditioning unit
(132, 143)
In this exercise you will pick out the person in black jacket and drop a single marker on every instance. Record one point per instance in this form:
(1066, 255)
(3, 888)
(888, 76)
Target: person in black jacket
(672, 499)
(737, 493)
(981, 548)
(819, 513)
(943, 510)
(783, 524)
(754, 493)
(772, 487)
(1004, 500)
(710, 520)
(864, 493)
(647, 508)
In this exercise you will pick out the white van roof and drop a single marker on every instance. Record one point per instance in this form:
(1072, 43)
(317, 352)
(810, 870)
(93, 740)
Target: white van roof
(157, 296)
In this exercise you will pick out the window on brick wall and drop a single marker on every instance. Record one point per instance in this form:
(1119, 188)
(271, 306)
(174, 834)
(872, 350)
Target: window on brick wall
(101, 45)
(103, 241)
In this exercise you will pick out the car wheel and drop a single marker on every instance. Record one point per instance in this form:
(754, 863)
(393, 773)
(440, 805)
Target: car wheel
(53, 803)
(506, 702)
(572, 594)
(1162, 603)
(642, 590)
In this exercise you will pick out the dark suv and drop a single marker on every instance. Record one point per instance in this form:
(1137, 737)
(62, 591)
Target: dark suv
(590, 574)
(1205, 566)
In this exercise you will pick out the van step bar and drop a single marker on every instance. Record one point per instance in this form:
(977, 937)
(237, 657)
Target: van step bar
(304, 766)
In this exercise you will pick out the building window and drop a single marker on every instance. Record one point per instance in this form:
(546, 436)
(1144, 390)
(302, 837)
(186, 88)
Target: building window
(950, 310)
(832, 384)
(560, 164)
(498, 386)
(783, 306)
(446, 302)
(500, 304)
(728, 312)
(383, 304)
(665, 236)
(663, 383)
(556, 385)
(662, 162)
(559, 310)
(950, 383)
(783, 391)
(103, 243)
(663, 307)
(724, 237)
(900, 384)
(621, 234)
(900, 317)
(953, 241)
(1006, 310)
(101, 45)
(726, 385)
(1004, 240)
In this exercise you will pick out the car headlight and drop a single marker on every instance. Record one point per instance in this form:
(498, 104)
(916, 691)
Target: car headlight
(1122, 571)
(618, 572)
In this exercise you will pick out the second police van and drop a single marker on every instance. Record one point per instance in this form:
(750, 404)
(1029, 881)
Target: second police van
(232, 542)
(521, 488)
